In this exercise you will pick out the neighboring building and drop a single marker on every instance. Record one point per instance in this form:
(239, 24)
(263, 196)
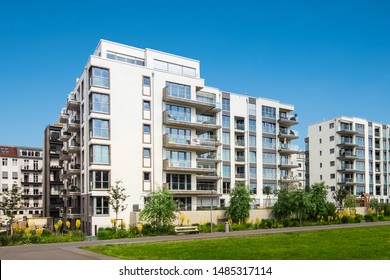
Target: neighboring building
(146, 118)
(52, 183)
(299, 159)
(23, 166)
(352, 153)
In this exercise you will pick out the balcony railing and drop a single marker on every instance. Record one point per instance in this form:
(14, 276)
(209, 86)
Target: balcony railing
(240, 126)
(211, 156)
(206, 119)
(179, 163)
(240, 175)
(240, 143)
(187, 140)
(240, 158)
(288, 132)
(206, 187)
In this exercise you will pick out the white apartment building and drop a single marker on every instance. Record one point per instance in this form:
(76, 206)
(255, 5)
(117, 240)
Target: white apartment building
(23, 166)
(147, 118)
(352, 153)
(299, 159)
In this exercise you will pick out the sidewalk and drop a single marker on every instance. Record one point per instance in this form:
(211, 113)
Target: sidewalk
(72, 251)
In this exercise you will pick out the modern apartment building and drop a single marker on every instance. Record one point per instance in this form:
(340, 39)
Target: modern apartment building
(147, 118)
(23, 166)
(352, 153)
(52, 183)
(299, 160)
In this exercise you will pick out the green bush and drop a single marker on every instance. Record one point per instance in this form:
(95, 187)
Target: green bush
(5, 240)
(358, 218)
(105, 233)
(385, 207)
(34, 239)
(346, 219)
(122, 233)
(369, 218)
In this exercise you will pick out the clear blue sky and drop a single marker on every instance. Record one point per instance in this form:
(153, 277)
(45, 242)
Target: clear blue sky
(328, 58)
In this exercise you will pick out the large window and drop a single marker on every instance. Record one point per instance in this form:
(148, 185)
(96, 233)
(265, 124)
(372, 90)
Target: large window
(226, 171)
(100, 179)
(178, 113)
(226, 154)
(269, 158)
(269, 173)
(226, 138)
(253, 173)
(269, 128)
(252, 125)
(269, 143)
(252, 109)
(252, 141)
(225, 121)
(100, 154)
(101, 206)
(177, 90)
(99, 128)
(269, 112)
(226, 104)
(98, 77)
(99, 103)
(179, 181)
(179, 159)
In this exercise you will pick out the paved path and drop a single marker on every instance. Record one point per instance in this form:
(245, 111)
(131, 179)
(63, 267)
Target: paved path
(72, 251)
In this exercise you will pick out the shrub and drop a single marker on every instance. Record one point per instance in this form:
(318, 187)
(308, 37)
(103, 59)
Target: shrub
(346, 219)
(358, 218)
(34, 239)
(104, 233)
(369, 218)
(122, 233)
(5, 240)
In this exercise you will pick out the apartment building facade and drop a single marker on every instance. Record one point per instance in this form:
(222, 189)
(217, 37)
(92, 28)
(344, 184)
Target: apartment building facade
(52, 182)
(351, 153)
(23, 166)
(146, 118)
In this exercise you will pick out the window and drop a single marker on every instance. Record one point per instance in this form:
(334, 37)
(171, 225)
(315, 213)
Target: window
(98, 77)
(100, 154)
(101, 206)
(225, 104)
(252, 141)
(252, 109)
(253, 173)
(332, 163)
(360, 153)
(146, 105)
(331, 125)
(178, 113)
(332, 176)
(100, 179)
(320, 164)
(321, 177)
(225, 121)
(4, 175)
(359, 128)
(226, 154)
(14, 162)
(360, 166)
(253, 188)
(99, 103)
(99, 128)
(269, 143)
(146, 81)
(226, 171)
(269, 158)
(269, 112)
(320, 153)
(14, 175)
(226, 138)
(269, 128)
(252, 157)
(146, 153)
(269, 173)
(5, 161)
(226, 187)
(359, 140)
(332, 188)
(331, 151)
(126, 58)
(252, 125)
(179, 181)
(178, 90)
(146, 176)
(146, 129)
(320, 140)
(331, 138)
(319, 128)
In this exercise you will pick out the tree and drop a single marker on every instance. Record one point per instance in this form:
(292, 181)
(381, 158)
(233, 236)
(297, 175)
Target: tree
(12, 202)
(339, 195)
(350, 201)
(319, 202)
(240, 203)
(117, 198)
(160, 210)
(374, 204)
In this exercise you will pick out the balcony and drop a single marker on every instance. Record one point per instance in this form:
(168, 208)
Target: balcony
(64, 156)
(212, 157)
(31, 168)
(29, 181)
(289, 179)
(347, 155)
(204, 103)
(65, 136)
(188, 143)
(287, 164)
(240, 159)
(239, 126)
(73, 191)
(73, 103)
(185, 166)
(212, 176)
(74, 147)
(74, 169)
(202, 123)
(286, 120)
(64, 116)
(73, 126)
(34, 195)
(347, 143)
(346, 168)
(346, 181)
(240, 143)
(287, 149)
(288, 134)
(240, 176)
(65, 175)
(346, 130)
(73, 212)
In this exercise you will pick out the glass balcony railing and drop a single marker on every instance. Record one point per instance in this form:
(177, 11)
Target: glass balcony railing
(175, 116)
(179, 163)
(206, 119)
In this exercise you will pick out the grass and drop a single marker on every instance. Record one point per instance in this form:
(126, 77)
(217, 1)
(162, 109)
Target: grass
(372, 243)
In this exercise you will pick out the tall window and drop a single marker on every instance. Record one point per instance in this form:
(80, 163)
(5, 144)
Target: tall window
(253, 173)
(99, 103)
(146, 105)
(252, 141)
(100, 154)
(178, 113)
(269, 143)
(177, 90)
(225, 121)
(98, 77)
(269, 173)
(146, 152)
(146, 129)
(226, 104)
(179, 181)
(5, 161)
(252, 157)
(226, 171)
(101, 206)
(252, 125)
(100, 179)
(269, 158)
(226, 138)
(252, 109)
(99, 128)
(269, 128)
(226, 154)
(146, 81)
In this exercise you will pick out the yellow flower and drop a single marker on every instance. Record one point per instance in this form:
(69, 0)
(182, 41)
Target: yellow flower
(78, 223)
(181, 218)
(67, 224)
(27, 232)
(188, 221)
(59, 223)
(139, 228)
(39, 231)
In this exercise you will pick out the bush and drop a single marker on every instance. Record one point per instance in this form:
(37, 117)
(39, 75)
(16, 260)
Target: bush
(34, 239)
(369, 218)
(358, 218)
(385, 207)
(5, 240)
(346, 219)
(122, 233)
(105, 233)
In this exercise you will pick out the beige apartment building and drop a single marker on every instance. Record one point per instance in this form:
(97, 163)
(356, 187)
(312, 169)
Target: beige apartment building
(147, 118)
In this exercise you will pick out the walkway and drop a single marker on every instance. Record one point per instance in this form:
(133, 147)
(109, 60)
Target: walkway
(72, 251)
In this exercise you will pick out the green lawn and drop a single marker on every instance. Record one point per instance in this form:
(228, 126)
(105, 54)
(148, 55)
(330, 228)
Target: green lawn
(372, 243)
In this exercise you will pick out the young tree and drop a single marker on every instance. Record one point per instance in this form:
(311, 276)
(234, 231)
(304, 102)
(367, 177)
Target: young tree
(117, 198)
(350, 201)
(339, 195)
(160, 210)
(12, 202)
(240, 203)
(319, 202)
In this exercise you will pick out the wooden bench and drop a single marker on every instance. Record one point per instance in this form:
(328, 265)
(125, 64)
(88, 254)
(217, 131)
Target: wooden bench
(189, 229)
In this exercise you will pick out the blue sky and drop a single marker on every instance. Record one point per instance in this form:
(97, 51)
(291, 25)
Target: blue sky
(328, 58)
